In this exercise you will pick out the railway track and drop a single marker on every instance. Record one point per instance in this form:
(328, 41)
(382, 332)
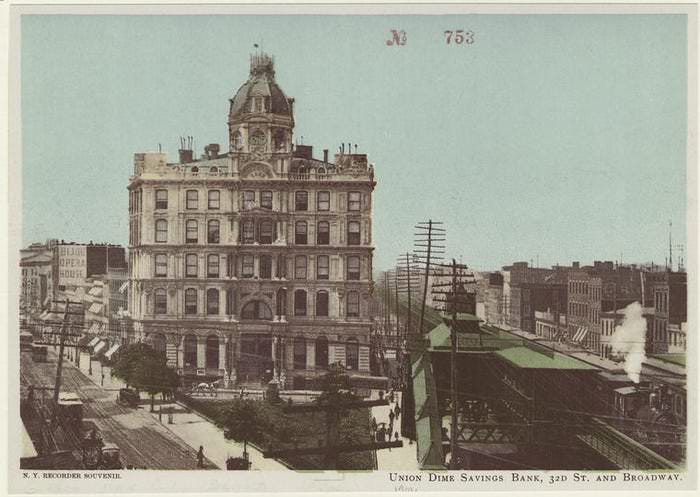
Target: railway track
(143, 441)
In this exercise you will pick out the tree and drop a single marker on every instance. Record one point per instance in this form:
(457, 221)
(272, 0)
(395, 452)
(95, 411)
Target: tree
(245, 420)
(143, 368)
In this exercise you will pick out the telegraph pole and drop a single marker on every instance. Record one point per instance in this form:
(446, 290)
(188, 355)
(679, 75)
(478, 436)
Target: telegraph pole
(61, 347)
(453, 371)
(454, 299)
(427, 252)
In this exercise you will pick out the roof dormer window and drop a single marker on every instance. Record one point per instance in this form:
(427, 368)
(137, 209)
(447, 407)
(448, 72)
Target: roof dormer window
(258, 104)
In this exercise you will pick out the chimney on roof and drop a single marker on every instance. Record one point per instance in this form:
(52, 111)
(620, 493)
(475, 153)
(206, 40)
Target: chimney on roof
(575, 264)
(211, 151)
(186, 156)
(325, 155)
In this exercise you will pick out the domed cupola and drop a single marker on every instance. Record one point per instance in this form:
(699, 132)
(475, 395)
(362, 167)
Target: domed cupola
(260, 106)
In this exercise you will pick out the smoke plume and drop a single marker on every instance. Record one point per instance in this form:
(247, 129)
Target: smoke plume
(629, 338)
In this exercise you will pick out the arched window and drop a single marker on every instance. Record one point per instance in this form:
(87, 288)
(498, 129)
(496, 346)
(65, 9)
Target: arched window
(190, 351)
(352, 354)
(214, 198)
(322, 267)
(160, 301)
(213, 266)
(191, 269)
(300, 233)
(213, 231)
(266, 199)
(265, 267)
(353, 305)
(248, 231)
(322, 303)
(322, 352)
(280, 140)
(301, 199)
(191, 301)
(192, 196)
(266, 236)
(161, 265)
(256, 310)
(353, 232)
(191, 231)
(247, 266)
(300, 267)
(237, 141)
(212, 301)
(323, 233)
(161, 199)
(299, 353)
(300, 303)
(323, 199)
(353, 269)
(212, 352)
(161, 231)
(354, 201)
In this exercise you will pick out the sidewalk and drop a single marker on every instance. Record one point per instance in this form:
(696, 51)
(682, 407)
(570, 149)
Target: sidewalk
(403, 458)
(194, 430)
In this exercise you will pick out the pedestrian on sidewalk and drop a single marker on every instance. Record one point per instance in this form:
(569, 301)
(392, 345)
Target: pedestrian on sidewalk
(200, 457)
(391, 396)
(391, 416)
(397, 411)
(396, 436)
(374, 424)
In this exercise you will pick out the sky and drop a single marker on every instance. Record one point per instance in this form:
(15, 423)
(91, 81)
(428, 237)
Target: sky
(551, 138)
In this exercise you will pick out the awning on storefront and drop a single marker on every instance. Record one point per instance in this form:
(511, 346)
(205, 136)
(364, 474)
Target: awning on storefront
(95, 291)
(96, 308)
(112, 350)
(84, 340)
(100, 347)
(580, 334)
(94, 342)
(94, 328)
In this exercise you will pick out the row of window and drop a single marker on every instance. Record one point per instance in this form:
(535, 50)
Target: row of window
(247, 266)
(262, 232)
(255, 310)
(580, 287)
(255, 349)
(576, 309)
(661, 301)
(263, 199)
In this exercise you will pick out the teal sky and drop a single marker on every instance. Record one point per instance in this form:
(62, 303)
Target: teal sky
(552, 136)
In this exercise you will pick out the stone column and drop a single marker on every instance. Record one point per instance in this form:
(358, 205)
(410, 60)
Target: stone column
(363, 361)
(275, 367)
(222, 357)
(201, 352)
(234, 231)
(181, 353)
(310, 355)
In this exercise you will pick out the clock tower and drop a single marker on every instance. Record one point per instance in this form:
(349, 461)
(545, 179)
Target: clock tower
(261, 118)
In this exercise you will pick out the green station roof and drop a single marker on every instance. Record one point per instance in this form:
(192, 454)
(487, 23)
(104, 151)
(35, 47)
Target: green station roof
(526, 358)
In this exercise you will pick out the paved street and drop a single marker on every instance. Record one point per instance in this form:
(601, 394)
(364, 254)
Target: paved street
(403, 458)
(143, 441)
(187, 426)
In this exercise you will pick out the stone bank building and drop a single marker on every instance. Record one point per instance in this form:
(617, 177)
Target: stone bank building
(253, 262)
